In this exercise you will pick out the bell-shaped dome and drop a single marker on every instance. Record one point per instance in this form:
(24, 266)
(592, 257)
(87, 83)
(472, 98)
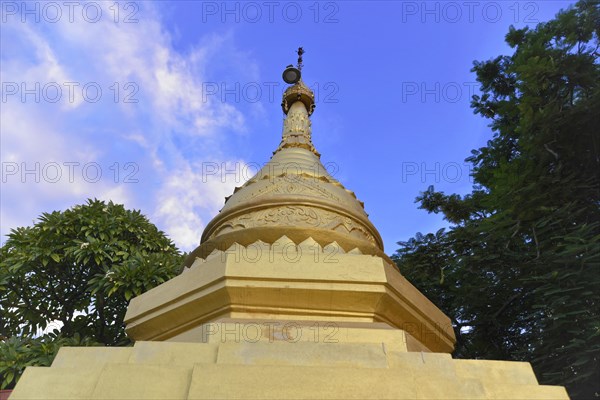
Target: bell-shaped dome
(292, 195)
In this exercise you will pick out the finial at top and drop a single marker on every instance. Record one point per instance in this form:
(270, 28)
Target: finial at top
(292, 75)
(300, 52)
(299, 91)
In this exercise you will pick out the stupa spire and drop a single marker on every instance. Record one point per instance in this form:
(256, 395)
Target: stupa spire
(298, 91)
(293, 194)
(298, 104)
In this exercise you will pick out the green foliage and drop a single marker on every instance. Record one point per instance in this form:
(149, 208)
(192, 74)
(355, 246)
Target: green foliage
(19, 352)
(519, 270)
(76, 269)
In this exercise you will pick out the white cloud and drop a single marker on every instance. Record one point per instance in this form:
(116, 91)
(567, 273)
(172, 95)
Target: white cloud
(165, 134)
(196, 191)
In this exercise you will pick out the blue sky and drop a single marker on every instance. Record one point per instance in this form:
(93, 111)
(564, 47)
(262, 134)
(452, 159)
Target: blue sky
(167, 106)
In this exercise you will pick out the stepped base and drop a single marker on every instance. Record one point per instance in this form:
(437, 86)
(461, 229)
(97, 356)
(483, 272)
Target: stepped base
(303, 282)
(362, 363)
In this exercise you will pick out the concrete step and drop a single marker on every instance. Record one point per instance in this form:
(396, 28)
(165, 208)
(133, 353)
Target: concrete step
(274, 370)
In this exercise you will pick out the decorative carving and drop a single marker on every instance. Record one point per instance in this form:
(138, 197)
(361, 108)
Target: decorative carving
(297, 130)
(289, 215)
(298, 92)
(297, 122)
(299, 216)
(297, 185)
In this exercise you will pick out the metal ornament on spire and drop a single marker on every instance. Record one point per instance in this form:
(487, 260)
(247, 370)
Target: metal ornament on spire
(300, 52)
(298, 91)
(293, 75)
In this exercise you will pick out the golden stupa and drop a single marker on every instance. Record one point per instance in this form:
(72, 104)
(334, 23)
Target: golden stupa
(289, 295)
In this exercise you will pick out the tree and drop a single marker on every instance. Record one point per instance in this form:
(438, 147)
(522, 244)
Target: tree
(72, 274)
(518, 270)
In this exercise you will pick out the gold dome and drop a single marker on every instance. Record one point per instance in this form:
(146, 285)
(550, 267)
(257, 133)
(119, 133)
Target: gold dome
(292, 195)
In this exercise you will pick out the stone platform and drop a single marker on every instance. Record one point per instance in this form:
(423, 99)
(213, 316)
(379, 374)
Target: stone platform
(292, 361)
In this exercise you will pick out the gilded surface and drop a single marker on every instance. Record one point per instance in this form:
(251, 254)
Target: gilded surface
(297, 130)
(301, 186)
(294, 189)
(298, 92)
(299, 216)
